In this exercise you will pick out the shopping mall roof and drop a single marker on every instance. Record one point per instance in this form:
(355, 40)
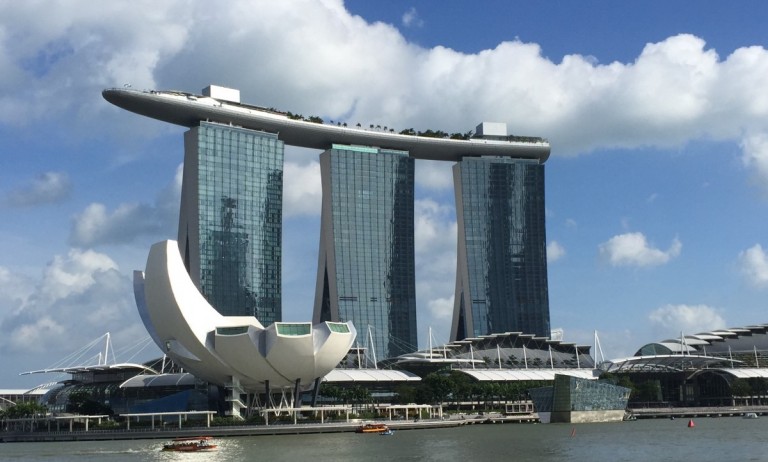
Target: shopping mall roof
(94, 368)
(747, 373)
(370, 375)
(513, 375)
(666, 363)
(159, 380)
(721, 342)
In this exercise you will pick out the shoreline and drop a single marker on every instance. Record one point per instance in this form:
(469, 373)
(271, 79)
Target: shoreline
(218, 431)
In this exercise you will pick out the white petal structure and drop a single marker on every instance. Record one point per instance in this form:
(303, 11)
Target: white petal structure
(226, 349)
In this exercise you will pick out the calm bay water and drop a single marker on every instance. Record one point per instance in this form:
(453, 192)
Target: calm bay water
(713, 439)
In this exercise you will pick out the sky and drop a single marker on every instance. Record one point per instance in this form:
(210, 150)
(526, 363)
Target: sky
(656, 187)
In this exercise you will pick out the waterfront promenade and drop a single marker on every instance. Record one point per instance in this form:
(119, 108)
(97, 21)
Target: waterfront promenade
(690, 412)
(455, 420)
(220, 431)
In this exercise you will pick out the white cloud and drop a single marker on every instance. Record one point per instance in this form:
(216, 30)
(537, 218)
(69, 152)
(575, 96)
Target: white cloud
(302, 190)
(14, 290)
(435, 242)
(555, 251)
(754, 265)
(74, 273)
(80, 296)
(441, 308)
(435, 227)
(47, 188)
(97, 226)
(671, 320)
(632, 249)
(755, 157)
(58, 57)
(411, 18)
(434, 175)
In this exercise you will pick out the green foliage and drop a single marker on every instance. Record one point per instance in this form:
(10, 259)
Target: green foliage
(226, 421)
(405, 394)
(741, 387)
(650, 390)
(108, 425)
(439, 386)
(26, 409)
(80, 402)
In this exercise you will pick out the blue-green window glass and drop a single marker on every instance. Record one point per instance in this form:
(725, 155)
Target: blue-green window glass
(237, 330)
(240, 183)
(371, 198)
(294, 329)
(338, 327)
(503, 218)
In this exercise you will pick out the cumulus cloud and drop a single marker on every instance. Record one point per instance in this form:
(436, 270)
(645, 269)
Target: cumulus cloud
(302, 191)
(632, 249)
(14, 289)
(755, 149)
(411, 18)
(441, 308)
(555, 251)
(435, 241)
(97, 226)
(754, 265)
(431, 219)
(47, 188)
(675, 90)
(688, 319)
(434, 175)
(80, 296)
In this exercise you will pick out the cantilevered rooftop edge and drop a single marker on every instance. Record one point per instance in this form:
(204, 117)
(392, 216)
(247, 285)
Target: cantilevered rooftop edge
(188, 110)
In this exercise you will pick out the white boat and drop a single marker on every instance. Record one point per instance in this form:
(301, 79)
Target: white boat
(750, 415)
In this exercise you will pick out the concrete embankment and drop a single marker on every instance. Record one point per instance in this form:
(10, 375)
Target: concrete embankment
(690, 412)
(219, 432)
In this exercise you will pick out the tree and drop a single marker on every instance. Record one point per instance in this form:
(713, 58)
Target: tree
(649, 390)
(80, 402)
(25, 409)
(741, 387)
(405, 394)
(439, 386)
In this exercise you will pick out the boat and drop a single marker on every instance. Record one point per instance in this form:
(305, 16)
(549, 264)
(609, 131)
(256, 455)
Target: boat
(194, 444)
(387, 432)
(373, 428)
(750, 415)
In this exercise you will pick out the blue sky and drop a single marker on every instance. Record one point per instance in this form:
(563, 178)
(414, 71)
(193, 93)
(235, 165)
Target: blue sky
(657, 186)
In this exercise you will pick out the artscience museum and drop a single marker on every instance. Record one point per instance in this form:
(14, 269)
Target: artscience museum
(235, 352)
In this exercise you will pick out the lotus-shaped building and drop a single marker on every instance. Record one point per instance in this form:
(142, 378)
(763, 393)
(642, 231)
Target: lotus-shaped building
(235, 352)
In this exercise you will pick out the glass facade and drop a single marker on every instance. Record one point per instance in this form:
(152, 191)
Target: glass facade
(366, 270)
(577, 394)
(501, 279)
(231, 218)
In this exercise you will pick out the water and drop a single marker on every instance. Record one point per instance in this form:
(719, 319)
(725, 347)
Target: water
(713, 439)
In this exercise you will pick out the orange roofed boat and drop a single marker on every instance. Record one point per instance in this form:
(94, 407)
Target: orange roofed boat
(372, 428)
(194, 444)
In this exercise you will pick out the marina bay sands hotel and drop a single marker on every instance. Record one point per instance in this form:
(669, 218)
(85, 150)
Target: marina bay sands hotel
(230, 234)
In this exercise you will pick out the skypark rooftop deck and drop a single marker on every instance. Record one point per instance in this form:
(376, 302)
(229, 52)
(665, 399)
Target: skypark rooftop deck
(188, 110)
